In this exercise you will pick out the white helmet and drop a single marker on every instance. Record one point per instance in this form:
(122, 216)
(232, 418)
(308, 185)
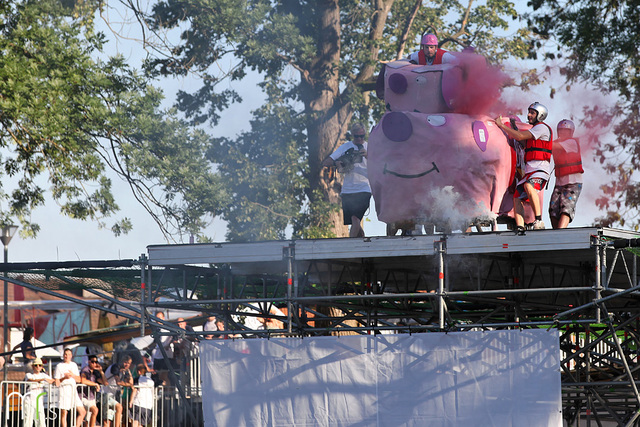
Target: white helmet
(541, 109)
(566, 124)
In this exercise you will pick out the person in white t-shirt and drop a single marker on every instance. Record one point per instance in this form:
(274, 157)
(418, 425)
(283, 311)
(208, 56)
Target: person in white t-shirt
(351, 160)
(33, 411)
(535, 151)
(67, 376)
(141, 404)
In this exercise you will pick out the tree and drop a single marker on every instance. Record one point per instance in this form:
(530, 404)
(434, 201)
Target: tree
(321, 58)
(69, 117)
(602, 39)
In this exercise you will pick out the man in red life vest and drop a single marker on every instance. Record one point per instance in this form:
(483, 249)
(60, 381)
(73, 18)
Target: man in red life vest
(536, 148)
(568, 170)
(429, 54)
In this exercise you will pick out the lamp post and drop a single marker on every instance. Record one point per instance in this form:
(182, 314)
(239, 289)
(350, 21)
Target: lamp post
(7, 234)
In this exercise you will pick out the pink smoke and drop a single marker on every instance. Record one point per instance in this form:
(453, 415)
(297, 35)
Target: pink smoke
(481, 85)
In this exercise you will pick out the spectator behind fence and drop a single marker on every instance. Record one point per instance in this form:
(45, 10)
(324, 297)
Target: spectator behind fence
(112, 409)
(67, 376)
(141, 404)
(119, 377)
(159, 363)
(210, 325)
(90, 375)
(126, 382)
(33, 414)
(182, 345)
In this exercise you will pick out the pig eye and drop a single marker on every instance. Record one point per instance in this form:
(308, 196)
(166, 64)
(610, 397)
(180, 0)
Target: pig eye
(421, 80)
(436, 120)
(397, 126)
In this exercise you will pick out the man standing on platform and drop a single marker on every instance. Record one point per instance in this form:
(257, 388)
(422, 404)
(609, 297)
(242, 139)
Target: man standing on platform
(537, 166)
(568, 170)
(351, 160)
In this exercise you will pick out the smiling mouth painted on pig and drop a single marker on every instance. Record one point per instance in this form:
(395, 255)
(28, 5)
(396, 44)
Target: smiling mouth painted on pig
(417, 175)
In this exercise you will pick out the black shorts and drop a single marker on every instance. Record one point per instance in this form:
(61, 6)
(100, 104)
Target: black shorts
(140, 414)
(354, 204)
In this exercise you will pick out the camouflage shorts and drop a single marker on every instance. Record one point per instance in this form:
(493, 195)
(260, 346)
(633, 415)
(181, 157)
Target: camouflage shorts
(563, 200)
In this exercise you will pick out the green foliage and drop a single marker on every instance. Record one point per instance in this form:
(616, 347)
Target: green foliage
(315, 58)
(602, 39)
(263, 172)
(69, 118)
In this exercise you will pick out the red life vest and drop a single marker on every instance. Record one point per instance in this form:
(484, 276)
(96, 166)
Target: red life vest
(422, 58)
(537, 149)
(567, 163)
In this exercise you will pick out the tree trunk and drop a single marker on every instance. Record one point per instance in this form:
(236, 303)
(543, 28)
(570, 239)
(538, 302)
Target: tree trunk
(328, 119)
(329, 115)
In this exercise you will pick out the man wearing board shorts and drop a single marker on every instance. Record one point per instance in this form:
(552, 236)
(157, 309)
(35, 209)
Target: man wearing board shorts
(568, 170)
(351, 160)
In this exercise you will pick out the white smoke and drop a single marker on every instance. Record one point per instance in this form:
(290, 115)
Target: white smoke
(449, 211)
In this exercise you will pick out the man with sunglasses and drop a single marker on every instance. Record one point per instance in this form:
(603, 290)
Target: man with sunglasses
(351, 160)
(33, 414)
(90, 375)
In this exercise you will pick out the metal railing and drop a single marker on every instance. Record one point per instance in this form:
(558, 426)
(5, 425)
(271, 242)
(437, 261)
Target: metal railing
(30, 404)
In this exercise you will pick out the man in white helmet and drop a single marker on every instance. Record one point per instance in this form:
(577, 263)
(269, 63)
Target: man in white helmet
(535, 152)
(430, 54)
(568, 170)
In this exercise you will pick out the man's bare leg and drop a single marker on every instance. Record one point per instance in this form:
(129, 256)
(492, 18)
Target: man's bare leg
(518, 209)
(81, 414)
(356, 228)
(563, 222)
(94, 416)
(534, 199)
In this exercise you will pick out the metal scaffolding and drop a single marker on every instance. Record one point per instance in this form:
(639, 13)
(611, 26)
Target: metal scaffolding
(581, 282)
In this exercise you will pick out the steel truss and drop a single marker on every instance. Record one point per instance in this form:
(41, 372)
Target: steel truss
(581, 283)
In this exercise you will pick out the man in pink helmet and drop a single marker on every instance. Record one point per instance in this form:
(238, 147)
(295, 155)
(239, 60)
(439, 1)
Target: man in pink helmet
(429, 53)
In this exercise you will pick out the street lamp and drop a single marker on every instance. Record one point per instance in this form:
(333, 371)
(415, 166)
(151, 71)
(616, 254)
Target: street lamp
(7, 234)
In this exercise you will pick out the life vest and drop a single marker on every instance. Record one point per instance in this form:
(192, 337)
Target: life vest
(567, 163)
(537, 149)
(422, 58)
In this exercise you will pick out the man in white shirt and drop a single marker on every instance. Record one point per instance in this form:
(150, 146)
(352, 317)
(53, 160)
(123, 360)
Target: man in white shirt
(33, 414)
(141, 404)
(351, 160)
(535, 150)
(67, 376)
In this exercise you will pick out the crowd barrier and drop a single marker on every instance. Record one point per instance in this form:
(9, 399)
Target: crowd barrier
(27, 404)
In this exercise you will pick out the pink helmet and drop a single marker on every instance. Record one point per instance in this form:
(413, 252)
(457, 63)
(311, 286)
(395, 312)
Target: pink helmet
(567, 124)
(429, 39)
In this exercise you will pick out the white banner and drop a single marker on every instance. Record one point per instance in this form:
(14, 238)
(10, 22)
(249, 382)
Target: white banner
(497, 378)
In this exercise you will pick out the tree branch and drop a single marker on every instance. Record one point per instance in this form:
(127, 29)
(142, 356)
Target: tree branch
(407, 28)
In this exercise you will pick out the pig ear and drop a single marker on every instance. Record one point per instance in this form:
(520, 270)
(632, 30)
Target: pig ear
(397, 126)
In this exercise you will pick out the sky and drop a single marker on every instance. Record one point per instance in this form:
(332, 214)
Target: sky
(65, 239)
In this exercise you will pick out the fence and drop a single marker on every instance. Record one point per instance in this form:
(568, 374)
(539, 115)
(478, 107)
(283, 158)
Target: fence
(32, 404)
